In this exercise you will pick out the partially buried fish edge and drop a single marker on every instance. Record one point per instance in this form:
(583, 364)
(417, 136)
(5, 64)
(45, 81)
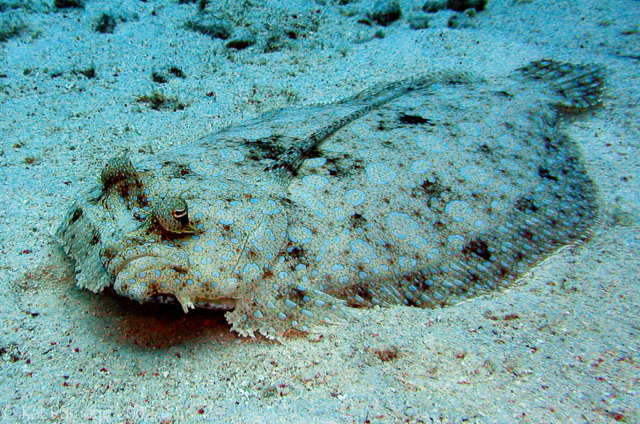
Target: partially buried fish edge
(423, 192)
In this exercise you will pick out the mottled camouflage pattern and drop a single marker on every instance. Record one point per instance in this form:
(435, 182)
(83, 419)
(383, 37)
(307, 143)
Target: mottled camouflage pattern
(424, 192)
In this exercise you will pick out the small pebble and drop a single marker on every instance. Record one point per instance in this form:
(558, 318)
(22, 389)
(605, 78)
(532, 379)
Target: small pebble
(462, 5)
(418, 22)
(433, 6)
(385, 12)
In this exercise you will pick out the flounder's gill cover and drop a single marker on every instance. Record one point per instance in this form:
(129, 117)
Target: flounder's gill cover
(423, 192)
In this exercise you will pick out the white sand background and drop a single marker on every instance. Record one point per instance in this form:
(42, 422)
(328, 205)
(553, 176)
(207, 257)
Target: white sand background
(560, 347)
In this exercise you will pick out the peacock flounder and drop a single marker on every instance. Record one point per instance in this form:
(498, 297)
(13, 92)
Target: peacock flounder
(423, 192)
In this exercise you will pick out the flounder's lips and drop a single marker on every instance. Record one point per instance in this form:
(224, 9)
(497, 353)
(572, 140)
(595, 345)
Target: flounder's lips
(117, 266)
(221, 304)
(143, 278)
(130, 278)
(140, 277)
(140, 261)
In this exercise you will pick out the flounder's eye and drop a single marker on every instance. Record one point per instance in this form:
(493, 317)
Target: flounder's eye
(119, 175)
(117, 170)
(172, 215)
(181, 215)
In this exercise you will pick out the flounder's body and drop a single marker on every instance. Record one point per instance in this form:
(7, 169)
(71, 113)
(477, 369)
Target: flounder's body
(422, 192)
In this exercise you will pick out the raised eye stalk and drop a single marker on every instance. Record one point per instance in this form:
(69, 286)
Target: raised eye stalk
(171, 215)
(120, 175)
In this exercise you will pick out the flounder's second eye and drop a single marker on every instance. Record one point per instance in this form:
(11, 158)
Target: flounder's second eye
(181, 215)
(172, 215)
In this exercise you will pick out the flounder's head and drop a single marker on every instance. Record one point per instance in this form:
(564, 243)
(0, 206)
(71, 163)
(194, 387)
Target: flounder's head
(153, 237)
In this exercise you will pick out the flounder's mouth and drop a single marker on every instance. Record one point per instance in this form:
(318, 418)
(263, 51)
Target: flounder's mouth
(120, 265)
(222, 304)
(116, 266)
(143, 276)
(140, 277)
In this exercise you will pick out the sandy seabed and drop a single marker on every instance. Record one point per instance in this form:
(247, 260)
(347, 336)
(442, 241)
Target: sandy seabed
(562, 346)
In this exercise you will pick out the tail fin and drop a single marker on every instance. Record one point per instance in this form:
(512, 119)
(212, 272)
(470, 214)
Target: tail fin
(579, 87)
